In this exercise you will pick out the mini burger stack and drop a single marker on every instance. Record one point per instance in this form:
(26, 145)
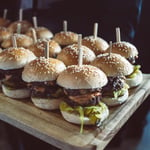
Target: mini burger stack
(38, 48)
(41, 32)
(95, 43)
(4, 22)
(21, 39)
(82, 86)
(4, 34)
(41, 75)
(65, 37)
(116, 68)
(130, 52)
(12, 62)
(69, 55)
(24, 24)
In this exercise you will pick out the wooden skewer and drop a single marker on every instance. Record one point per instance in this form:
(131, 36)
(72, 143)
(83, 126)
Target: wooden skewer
(47, 49)
(5, 13)
(95, 30)
(20, 14)
(118, 38)
(65, 26)
(14, 43)
(34, 35)
(19, 28)
(80, 57)
(35, 22)
(110, 49)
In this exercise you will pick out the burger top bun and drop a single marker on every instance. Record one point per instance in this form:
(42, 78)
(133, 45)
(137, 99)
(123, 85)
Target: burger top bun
(41, 33)
(25, 25)
(66, 38)
(4, 34)
(4, 22)
(98, 45)
(39, 47)
(113, 64)
(42, 69)
(21, 39)
(123, 48)
(69, 55)
(14, 58)
(82, 77)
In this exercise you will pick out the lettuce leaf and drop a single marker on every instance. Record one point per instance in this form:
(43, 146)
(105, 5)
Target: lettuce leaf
(120, 92)
(135, 71)
(94, 113)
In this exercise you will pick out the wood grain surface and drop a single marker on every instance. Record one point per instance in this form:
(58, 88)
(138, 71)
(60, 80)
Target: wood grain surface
(50, 127)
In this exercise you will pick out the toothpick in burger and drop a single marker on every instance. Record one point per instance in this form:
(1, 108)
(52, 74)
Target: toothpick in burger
(69, 55)
(82, 86)
(41, 75)
(130, 52)
(116, 67)
(65, 37)
(12, 62)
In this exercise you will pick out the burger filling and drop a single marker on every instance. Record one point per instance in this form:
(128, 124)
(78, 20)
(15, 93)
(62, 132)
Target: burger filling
(94, 113)
(135, 71)
(132, 60)
(47, 89)
(115, 87)
(83, 97)
(12, 78)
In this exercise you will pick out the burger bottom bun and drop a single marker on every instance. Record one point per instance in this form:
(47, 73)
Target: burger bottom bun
(75, 118)
(47, 104)
(109, 101)
(133, 82)
(16, 93)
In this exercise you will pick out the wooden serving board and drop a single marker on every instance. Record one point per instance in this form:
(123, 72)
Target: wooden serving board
(50, 127)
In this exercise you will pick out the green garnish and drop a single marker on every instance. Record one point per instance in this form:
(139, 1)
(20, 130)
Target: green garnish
(92, 112)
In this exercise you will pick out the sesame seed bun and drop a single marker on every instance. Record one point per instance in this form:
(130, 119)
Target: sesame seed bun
(113, 64)
(74, 117)
(42, 69)
(45, 103)
(69, 55)
(14, 58)
(41, 33)
(4, 22)
(112, 101)
(97, 45)
(16, 93)
(4, 34)
(25, 25)
(136, 80)
(21, 39)
(82, 77)
(39, 48)
(66, 38)
(125, 49)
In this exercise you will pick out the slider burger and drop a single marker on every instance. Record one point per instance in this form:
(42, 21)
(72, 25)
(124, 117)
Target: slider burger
(97, 45)
(41, 33)
(116, 68)
(39, 48)
(4, 22)
(65, 38)
(69, 55)
(21, 39)
(82, 86)
(4, 34)
(12, 62)
(25, 25)
(130, 52)
(41, 75)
